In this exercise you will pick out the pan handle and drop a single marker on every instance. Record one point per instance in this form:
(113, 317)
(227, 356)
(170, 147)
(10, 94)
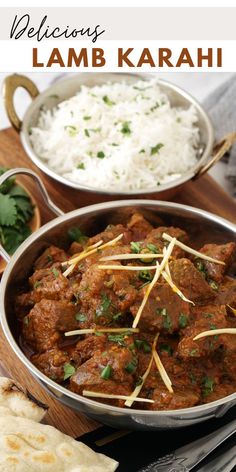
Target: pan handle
(219, 151)
(10, 84)
(43, 191)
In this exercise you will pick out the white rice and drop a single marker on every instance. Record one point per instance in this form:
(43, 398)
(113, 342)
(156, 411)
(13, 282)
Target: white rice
(118, 137)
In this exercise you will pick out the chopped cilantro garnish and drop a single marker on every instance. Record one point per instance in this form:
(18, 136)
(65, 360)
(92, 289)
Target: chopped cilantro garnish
(106, 372)
(86, 118)
(81, 166)
(132, 366)
(183, 320)
(119, 338)
(213, 285)
(145, 275)
(55, 272)
(201, 267)
(75, 234)
(126, 128)
(37, 284)
(152, 248)
(156, 149)
(194, 352)
(117, 316)
(107, 101)
(80, 317)
(104, 307)
(142, 151)
(166, 348)
(154, 107)
(69, 370)
(167, 323)
(139, 381)
(135, 247)
(192, 378)
(142, 344)
(141, 89)
(72, 130)
(208, 315)
(207, 385)
(100, 154)
(86, 132)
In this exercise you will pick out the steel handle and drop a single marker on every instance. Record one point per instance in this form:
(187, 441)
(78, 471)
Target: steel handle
(47, 200)
(10, 85)
(219, 151)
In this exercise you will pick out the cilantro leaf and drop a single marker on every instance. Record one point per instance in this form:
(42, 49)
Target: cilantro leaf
(126, 128)
(69, 370)
(8, 211)
(12, 237)
(156, 149)
(75, 234)
(6, 186)
(24, 207)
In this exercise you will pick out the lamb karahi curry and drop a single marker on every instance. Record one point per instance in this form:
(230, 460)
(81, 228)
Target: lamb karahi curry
(134, 317)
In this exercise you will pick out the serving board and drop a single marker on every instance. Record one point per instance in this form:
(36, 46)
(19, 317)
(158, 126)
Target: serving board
(204, 193)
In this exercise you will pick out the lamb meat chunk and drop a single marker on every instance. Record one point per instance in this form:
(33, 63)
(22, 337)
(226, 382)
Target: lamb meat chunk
(51, 284)
(164, 400)
(51, 255)
(139, 227)
(164, 311)
(86, 348)
(24, 303)
(47, 321)
(111, 232)
(205, 318)
(52, 363)
(212, 391)
(229, 364)
(222, 252)
(184, 393)
(95, 258)
(190, 281)
(75, 248)
(106, 372)
(226, 293)
(155, 238)
(106, 292)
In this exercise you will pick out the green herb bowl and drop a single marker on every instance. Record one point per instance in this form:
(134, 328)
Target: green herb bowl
(34, 224)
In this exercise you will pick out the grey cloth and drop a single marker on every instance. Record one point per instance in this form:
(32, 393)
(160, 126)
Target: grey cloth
(221, 107)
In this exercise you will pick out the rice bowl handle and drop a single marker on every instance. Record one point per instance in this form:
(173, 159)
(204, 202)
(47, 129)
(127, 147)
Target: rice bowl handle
(11, 84)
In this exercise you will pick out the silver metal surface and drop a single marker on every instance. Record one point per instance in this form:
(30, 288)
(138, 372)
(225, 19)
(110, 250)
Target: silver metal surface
(92, 219)
(187, 457)
(66, 88)
(226, 462)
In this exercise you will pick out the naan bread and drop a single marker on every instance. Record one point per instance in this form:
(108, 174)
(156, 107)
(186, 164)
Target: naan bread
(15, 402)
(27, 446)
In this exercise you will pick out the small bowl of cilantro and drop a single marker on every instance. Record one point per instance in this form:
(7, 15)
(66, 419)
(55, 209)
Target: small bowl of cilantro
(19, 215)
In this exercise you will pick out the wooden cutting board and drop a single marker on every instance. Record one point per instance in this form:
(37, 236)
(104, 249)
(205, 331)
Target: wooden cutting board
(204, 193)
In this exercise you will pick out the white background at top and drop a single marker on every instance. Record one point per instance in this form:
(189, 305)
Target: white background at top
(120, 3)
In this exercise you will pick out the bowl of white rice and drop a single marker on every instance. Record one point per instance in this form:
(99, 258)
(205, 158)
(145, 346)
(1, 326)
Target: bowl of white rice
(116, 134)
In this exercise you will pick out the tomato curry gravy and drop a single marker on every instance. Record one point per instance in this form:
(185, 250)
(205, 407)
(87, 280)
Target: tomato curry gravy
(134, 317)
